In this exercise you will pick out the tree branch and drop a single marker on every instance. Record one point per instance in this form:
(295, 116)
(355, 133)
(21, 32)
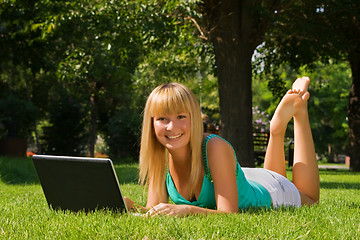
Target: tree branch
(202, 34)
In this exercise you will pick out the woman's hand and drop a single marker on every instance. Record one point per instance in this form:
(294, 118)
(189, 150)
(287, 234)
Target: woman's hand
(169, 210)
(133, 207)
(130, 204)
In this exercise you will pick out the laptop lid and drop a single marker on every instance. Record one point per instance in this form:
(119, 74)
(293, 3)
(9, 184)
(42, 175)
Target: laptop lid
(79, 183)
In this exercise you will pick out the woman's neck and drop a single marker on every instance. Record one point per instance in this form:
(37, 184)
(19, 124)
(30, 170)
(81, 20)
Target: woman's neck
(180, 159)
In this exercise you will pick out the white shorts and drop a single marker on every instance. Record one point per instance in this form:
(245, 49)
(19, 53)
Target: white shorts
(282, 191)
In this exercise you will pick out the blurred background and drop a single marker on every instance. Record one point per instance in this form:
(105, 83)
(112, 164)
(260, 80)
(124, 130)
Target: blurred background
(74, 75)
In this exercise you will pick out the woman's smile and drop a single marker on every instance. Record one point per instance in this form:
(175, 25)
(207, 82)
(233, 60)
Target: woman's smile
(173, 130)
(174, 137)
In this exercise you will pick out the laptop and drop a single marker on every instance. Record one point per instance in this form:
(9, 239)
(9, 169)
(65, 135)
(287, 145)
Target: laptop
(79, 183)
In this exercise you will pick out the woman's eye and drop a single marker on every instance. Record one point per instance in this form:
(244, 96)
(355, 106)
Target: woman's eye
(181, 116)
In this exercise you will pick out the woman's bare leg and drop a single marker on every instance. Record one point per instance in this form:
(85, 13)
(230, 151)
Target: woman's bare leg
(305, 170)
(292, 101)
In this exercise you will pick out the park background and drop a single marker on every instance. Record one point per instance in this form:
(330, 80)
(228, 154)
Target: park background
(74, 76)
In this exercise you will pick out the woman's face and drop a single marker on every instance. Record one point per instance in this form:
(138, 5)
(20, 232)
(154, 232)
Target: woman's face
(173, 130)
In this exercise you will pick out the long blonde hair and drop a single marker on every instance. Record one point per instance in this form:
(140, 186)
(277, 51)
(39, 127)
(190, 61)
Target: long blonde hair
(168, 98)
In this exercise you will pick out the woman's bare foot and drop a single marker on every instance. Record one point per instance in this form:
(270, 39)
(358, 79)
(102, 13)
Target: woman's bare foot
(292, 102)
(301, 84)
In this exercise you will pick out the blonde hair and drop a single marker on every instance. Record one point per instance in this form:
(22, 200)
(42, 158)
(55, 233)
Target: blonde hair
(168, 98)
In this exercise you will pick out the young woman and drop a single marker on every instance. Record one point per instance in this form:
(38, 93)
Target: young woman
(200, 172)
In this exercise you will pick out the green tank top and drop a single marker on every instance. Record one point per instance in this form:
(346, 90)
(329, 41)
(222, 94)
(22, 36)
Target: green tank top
(250, 193)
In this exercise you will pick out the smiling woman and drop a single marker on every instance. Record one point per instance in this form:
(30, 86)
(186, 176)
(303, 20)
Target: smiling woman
(173, 130)
(200, 172)
(170, 105)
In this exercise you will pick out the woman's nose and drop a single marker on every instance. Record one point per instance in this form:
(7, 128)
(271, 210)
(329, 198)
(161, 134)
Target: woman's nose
(170, 125)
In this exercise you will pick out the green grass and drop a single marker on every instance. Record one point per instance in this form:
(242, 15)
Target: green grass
(24, 213)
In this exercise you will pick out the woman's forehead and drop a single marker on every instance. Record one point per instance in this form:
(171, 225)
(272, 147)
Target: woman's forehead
(163, 106)
(168, 110)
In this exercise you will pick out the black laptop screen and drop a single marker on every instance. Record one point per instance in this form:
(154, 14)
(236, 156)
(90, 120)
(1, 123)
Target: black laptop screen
(75, 183)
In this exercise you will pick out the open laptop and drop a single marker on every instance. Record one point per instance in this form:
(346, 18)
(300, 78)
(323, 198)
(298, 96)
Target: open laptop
(79, 183)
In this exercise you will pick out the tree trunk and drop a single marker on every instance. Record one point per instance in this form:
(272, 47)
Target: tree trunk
(232, 32)
(234, 74)
(28, 95)
(354, 112)
(93, 125)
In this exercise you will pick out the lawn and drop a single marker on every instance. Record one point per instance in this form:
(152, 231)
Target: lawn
(24, 213)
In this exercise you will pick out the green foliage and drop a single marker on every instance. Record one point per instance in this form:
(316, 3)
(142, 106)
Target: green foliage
(328, 107)
(180, 55)
(109, 58)
(65, 133)
(17, 117)
(123, 134)
(329, 90)
(310, 31)
(20, 33)
(102, 48)
(205, 87)
(17, 113)
(263, 98)
(91, 49)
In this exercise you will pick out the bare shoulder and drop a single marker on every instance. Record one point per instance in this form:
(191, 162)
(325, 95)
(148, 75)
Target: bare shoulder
(220, 152)
(216, 144)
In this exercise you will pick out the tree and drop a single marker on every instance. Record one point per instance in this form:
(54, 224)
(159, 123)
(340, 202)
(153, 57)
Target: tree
(93, 52)
(23, 61)
(63, 133)
(312, 30)
(101, 52)
(329, 90)
(104, 46)
(236, 28)
(330, 93)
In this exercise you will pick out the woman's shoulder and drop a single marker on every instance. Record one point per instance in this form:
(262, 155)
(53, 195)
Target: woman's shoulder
(214, 142)
(219, 155)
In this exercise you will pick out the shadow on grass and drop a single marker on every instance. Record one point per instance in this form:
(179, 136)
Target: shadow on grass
(339, 185)
(337, 172)
(18, 171)
(127, 173)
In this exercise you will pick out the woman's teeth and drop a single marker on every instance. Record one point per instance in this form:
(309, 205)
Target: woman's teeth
(173, 137)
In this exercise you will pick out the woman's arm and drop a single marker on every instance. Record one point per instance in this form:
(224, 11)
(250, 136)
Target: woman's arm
(153, 199)
(222, 164)
(179, 210)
